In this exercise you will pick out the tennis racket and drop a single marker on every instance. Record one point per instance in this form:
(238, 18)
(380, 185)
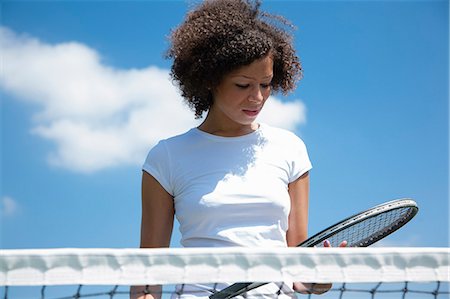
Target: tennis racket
(360, 230)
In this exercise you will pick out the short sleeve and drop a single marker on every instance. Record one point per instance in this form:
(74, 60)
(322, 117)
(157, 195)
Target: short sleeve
(157, 164)
(300, 160)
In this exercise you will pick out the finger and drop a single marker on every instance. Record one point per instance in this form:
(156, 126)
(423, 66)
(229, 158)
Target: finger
(343, 244)
(326, 243)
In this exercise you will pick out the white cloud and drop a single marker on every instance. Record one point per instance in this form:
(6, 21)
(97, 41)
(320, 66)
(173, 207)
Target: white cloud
(286, 115)
(98, 116)
(8, 206)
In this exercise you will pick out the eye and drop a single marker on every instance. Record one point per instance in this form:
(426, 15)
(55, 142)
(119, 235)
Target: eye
(265, 86)
(243, 86)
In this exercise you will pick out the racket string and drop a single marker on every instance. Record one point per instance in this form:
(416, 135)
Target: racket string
(374, 228)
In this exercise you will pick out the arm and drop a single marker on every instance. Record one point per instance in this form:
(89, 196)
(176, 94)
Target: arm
(298, 228)
(298, 216)
(156, 226)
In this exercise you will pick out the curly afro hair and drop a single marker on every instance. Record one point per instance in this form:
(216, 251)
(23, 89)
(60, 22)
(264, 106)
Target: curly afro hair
(218, 37)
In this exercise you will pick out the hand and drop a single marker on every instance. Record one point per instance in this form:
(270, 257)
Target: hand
(145, 292)
(327, 243)
(316, 288)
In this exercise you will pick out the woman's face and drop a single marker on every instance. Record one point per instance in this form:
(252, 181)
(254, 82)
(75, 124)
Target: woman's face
(241, 95)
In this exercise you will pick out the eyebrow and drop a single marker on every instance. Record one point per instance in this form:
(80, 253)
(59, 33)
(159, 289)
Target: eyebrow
(247, 77)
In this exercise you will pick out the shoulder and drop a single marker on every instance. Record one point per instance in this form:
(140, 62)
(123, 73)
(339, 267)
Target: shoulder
(178, 140)
(277, 134)
(167, 145)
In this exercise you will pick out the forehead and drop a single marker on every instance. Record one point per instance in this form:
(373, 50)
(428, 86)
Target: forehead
(260, 68)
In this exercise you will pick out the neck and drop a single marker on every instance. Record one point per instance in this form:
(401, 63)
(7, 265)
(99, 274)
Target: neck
(211, 126)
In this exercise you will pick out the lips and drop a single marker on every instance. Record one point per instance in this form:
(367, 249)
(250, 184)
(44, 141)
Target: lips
(251, 112)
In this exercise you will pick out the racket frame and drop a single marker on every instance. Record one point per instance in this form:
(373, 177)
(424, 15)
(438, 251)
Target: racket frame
(359, 217)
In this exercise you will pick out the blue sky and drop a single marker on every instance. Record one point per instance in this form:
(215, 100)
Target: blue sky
(84, 95)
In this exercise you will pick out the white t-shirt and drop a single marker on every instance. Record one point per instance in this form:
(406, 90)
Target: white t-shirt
(230, 191)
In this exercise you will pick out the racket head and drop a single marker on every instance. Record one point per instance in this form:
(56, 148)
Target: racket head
(368, 227)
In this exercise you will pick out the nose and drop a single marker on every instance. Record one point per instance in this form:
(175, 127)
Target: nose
(256, 95)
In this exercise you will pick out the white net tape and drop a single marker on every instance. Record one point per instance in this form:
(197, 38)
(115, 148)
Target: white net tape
(206, 265)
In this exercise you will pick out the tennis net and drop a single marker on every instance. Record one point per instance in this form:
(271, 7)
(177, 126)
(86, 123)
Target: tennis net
(108, 273)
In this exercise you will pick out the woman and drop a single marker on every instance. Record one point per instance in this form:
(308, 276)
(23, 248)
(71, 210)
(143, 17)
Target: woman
(231, 181)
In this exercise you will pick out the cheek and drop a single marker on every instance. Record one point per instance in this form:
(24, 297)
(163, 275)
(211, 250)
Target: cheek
(227, 95)
(236, 97)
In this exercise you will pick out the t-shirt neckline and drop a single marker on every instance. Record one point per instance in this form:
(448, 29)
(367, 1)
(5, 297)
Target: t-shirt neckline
(228, 138)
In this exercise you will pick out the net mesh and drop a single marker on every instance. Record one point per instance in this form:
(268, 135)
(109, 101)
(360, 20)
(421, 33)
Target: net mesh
(383, 273)
(381, 290)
